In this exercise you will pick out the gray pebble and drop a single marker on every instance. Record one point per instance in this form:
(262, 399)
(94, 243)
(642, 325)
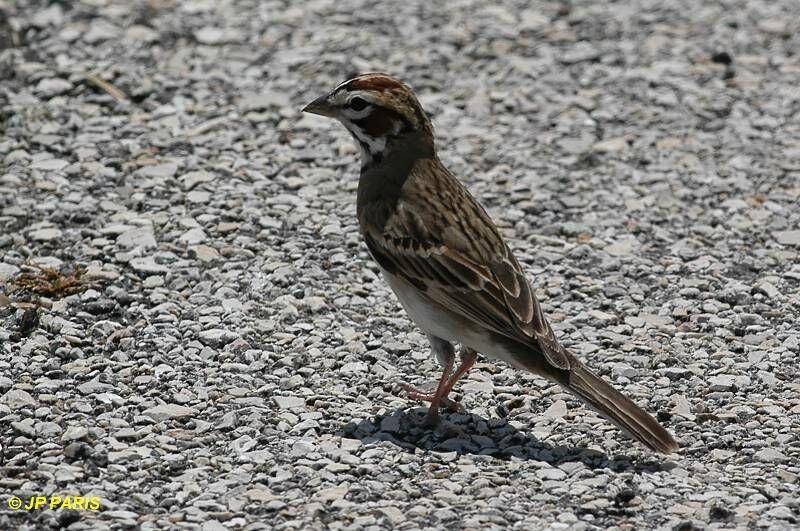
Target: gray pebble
(169, 412)
(17, 399)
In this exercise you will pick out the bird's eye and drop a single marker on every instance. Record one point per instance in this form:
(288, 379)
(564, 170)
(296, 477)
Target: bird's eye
(357, 104)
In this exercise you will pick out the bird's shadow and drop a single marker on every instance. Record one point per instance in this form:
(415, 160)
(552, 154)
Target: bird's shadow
(467, 433)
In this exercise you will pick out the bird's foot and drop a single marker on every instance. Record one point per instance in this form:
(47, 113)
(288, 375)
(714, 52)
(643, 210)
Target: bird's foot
(415, 393)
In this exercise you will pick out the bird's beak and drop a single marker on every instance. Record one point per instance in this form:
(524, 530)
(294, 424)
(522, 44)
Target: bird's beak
(320, 106)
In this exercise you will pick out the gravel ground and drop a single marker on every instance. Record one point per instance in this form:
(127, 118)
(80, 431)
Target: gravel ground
(234, 361)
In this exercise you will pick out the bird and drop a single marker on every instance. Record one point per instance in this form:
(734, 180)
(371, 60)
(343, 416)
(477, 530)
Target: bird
(446, 261)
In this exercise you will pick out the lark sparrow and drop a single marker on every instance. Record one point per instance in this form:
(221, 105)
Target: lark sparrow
(446, 261)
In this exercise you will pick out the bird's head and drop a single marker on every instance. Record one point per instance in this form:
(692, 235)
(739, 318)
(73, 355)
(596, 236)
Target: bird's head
(380, 112)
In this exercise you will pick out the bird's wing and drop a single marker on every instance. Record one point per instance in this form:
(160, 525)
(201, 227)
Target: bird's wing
(460, 261)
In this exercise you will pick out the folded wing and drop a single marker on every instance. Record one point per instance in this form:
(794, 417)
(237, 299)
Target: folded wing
(484, 284)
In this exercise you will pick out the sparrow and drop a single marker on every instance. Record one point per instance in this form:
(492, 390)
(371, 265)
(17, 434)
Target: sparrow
(446, 261)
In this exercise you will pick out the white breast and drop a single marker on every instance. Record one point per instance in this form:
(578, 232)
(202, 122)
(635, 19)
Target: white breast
(437, 321)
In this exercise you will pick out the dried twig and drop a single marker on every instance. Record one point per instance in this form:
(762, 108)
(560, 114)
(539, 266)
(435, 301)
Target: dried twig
(107, 87)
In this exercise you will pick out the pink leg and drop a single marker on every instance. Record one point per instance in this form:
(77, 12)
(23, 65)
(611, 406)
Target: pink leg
(468, 357)
(439, 398)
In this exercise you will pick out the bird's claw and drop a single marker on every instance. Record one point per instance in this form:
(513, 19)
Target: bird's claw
(415, 393)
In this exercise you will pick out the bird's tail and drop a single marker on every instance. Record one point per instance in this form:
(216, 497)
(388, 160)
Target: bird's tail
(619, 409)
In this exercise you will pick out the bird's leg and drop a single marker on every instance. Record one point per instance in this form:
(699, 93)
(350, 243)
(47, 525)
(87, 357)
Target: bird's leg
(445, 353)
(436, 398)
(468, 357)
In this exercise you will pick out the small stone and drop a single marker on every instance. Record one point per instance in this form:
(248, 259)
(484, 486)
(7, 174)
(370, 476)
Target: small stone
(478, 386)
(551, 474)
(656, 320)
(204, 253)
(193, 178)
(77, 450)
(624, 370)
(121, 515)
(25, 427)
(213, 525)
(50, 87)
(620, 247)
(48, 430)
(100, 30)
(334, 493)
(771, 455)
(393, 514)
(169, 411)
(303, 448)
(158, 171)
(781, 512)
(93, 387)
(74, 433)
(126, 434)
(232, 305)
(257, 457)
(788, 477)
(768, 289)
(315, 304)
(754, 339)
(274, 505)
(153, 281)
(228, 421)
(397, 347)
(139, 34)
(210, 35)
(217, 337)
(675, 373)
(611, 145)
(148, 266)
(556, 410)
(289, 402)
(354, 367)
(259, 495)
(576, 146)
(45, 235)
(198, 196)
(767, 378)
(17, 399)
(722, 382)
(788, 237)
(193, 236)
(775, 26)
(7, 271)
(49, 164)
(603, 317)
(683, 408)
(721, 455)
(350, 445)
(390, 424)
(115, 229)
(140, 237)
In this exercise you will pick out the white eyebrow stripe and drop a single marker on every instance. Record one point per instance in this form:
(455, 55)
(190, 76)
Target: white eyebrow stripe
(343, 83)
(341, 98)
